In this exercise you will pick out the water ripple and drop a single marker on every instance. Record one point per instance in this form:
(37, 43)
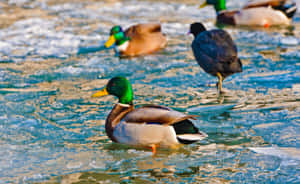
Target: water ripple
(52, 130)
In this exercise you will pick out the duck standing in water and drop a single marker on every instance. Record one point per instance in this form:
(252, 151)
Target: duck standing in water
(215, 52)
(147, 126)
(139, 39)
(256, 13)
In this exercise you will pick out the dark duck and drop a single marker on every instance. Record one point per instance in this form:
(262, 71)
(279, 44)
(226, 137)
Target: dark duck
(215, 52)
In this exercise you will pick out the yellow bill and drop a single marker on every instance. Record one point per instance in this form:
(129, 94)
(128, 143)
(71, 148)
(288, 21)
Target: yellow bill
(203, 5)
(111, 40)
(103, 92)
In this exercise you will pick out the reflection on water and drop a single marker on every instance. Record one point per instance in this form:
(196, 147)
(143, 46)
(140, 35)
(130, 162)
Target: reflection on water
(52, 131)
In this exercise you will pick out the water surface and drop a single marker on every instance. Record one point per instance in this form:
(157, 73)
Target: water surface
(51, 130)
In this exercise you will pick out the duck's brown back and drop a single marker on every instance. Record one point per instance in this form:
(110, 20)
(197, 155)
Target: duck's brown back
(144, 39)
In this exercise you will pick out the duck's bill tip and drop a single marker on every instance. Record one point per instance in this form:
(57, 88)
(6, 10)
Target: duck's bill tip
(103, 92)
(111, 40)
(202, 5)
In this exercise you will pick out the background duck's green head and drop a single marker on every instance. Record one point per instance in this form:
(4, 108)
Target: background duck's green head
(115, 30)
(119, 87)
(219, 5)
(117, 36)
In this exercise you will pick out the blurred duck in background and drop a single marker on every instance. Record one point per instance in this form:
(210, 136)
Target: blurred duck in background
(139, 39)
(215, 52)
(256, 13)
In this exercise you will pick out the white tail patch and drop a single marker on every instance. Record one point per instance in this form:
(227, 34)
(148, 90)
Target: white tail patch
(192, 137)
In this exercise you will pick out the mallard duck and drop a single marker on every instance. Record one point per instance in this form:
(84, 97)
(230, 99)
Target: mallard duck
(139, 39)
(257, 13)
(148, 126)
(215, 52)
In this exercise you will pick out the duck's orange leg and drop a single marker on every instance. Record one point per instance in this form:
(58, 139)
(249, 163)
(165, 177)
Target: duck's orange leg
(266, 23)
(220, 82)
(153, 147)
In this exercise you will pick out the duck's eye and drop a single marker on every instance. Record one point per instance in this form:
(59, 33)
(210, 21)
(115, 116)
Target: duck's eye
(115, 30)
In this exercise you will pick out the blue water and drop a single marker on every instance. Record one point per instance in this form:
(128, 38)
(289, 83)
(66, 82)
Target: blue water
(51, 130)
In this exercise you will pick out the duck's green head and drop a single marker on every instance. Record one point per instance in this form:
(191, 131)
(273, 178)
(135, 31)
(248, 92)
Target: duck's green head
(219, 5)
(117, 36)
(119, 87)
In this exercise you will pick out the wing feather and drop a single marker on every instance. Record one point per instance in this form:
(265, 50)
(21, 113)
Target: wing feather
(141, 29)
(156, 114)
(263, 3)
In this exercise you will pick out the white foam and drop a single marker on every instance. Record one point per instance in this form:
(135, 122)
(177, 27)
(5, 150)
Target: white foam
(292, 41)
(211, 108)
(5, 48)
(18, 2)
(36, 36)
(70, 69)
(97, 165)
(286, 153)
(74, 165)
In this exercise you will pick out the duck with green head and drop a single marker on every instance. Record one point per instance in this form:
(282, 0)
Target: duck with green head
(139, 39)
(256, 13)
(147, 126)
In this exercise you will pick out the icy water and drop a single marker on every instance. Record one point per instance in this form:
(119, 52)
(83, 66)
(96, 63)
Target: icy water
(52, 131)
